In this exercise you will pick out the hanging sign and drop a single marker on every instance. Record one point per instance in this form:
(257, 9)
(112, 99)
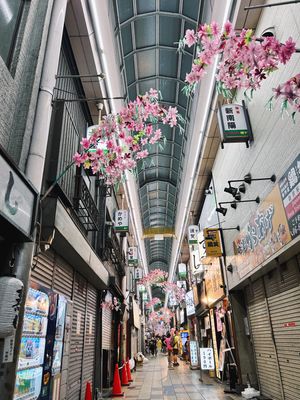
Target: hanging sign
(289, 186)
(207, 358)
(132, 256)
(182, 271)
(189, 301)
(212, 242)
(193, 231)
(121, 221)
(233, 124)
(194, 353)
(141, 288)
(181, 284)
(144, 296)
(138, 273)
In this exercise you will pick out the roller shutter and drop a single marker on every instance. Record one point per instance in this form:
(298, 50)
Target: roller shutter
(63, 277)
(90, 339)
(265, 354)
(43, 269)
(77, 338)
(107, 327)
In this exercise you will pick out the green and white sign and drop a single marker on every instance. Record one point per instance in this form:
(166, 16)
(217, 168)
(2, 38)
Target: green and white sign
(132, 256)
(121, 221)
(182, 271)
(193, 231)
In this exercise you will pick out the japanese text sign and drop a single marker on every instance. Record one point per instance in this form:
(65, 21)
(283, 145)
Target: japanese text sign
(207, 358)
(132, 256)
(193, 231)
(121, 221)
(233, 123)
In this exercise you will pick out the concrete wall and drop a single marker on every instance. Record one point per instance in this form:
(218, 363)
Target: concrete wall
(276, 138)
(19, 85)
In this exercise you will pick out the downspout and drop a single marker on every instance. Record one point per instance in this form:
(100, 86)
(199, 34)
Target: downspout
(35, 165)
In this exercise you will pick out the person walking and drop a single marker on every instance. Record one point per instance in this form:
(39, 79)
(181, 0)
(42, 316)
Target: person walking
(153, 348)
(159, 344)
(176, 348)
(169, 350)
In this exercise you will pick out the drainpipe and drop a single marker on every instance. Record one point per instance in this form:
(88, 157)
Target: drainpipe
(35, 167)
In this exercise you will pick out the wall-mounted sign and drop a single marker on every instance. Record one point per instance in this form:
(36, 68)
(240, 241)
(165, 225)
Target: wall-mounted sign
(266, 232)
(212, 242)
(289, 186)
(17, 201)
(138, 273)
(207, 358)
(141, 288)
(121, 221)
(193, 231)
(189, 302)
(144, 296)
(181, 271)
(132, 256)
(213, 281)
(234, 124)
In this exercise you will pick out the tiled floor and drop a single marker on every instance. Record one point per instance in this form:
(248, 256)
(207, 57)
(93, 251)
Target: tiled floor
(155, 381)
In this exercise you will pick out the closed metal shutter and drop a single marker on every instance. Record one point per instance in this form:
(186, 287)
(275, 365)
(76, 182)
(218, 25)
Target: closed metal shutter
(77, 338)
(90, 339)
(266, 360)
(285, 316)
(43, 269)
(63, 277)
(107, 329)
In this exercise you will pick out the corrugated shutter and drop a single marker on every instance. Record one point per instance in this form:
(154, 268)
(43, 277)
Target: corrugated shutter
(90, 339)
(266, 361)
(63, 277)
(77, 338)
(285, 316)
(107, 329)
(43, 269)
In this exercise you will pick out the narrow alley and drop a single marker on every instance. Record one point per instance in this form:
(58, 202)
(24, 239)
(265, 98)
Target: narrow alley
(154, 380)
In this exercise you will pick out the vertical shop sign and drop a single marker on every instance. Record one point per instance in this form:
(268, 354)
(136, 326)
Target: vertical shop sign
(207, 358)
(189, 302)
(214, 339)
(182, 271)
(233, 123)
(138, 273)
(193, 231)
(194, 353)
(212, 242)
(289, 186)
(132, 256)
(121, 221)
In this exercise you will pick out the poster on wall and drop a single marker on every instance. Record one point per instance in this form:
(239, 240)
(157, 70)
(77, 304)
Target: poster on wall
(289, 186)
(32, 351)
(28, 383)
(37, 302)
(266, 232)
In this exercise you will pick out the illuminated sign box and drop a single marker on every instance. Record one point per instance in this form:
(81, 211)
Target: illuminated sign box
(234, 124)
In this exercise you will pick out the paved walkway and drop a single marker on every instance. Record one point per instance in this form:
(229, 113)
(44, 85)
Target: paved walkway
(155, 381)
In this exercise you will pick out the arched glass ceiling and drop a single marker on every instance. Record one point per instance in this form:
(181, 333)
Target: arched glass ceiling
(147, 33)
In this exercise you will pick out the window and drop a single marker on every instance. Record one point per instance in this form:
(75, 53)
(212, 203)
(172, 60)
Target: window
(10, 13)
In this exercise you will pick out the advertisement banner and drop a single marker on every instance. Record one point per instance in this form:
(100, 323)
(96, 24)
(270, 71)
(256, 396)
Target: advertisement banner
(121, 221)
(28, 383)
(266, 232)
(289, 186)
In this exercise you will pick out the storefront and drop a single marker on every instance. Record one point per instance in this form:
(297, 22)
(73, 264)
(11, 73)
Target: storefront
(75, 366)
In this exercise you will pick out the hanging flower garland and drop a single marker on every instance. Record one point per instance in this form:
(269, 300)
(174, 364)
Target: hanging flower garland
(177, 292)
(153, 302)
(122, 139)
(155, 277)
(246, 60)
(164, 315)
(289, 94)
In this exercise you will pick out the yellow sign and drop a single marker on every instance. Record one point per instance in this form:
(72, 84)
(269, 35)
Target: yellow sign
(212, 242)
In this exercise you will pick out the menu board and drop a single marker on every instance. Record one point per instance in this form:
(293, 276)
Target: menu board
(207, 358)
(194, 353)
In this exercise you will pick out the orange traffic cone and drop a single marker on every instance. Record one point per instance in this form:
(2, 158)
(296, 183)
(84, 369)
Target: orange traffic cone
(117, 390)
(88, 392)
(128, 371)
(124, 377)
